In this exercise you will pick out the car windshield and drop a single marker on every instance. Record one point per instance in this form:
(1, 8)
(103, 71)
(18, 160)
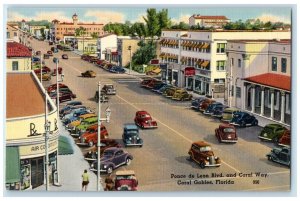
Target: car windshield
(228, 130)
(206, 148)
(268, 129)
(108, 153)
(145, 116)
(109, 86)
(131, 132)
(237, 115)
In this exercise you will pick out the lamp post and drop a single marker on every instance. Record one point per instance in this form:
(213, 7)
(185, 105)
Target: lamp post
(130, 68)
(57, 87)
(107, 118)
(47, 131)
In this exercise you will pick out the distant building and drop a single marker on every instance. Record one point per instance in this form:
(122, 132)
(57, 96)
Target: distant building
(208, 21)
(87, 45)
(12, 34)
(59, 29)
(104, 42)
(18, 57)
(36, 30)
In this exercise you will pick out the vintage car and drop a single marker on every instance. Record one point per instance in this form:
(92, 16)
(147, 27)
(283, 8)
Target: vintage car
(45, 76)
(131, 136)
(100, 62)
(84, 125)
(92, 59)
(55, 60)
(35, 60)
(104, 98)
(158, 86)
(50, 53)
(73, 124)
(63, 90)
(75, 116)
(209, 110)
(201, 153)
(104, 144)
(38, 52)
(50, 43)
(111, 159)
(46, 56)
(152, 83)
(146, 81)
(280, 155)
(65, 109)
(144, 120)
(195, 104)
(272, 132)
(93, 125)
(182, 95)
(60, 70)
(84, 57)
(169, 92)
(164, 88)
(90, 137)
(64, 56)
(53, 87)
(125, 180)
(285, 139)
(108, 89)
(218, 111)
(117, 69)
(243, 119)
(226, 133)
(68, 109)
(63, 96)
(228, 114)
(205, 103)
(88, 73)
(45, 69)
(73, 103)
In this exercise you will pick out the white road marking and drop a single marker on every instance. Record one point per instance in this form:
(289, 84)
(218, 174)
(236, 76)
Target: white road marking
(190, 141)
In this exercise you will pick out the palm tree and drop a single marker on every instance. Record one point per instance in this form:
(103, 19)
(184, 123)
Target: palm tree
(80, 32)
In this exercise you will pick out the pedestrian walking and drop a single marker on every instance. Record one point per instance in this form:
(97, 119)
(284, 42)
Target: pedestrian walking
(85, 180)
(109, 183)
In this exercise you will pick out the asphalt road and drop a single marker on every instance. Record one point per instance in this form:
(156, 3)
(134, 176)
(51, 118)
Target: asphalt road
(165, 149)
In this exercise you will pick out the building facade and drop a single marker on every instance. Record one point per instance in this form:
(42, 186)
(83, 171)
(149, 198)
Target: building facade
(208, 21)
(126, 47)
(25, 133)
(87, 45)
(36, 30)
(59, 29)
(205, 51)
(259, 77)
(106, 41)
(12, 34)
(18, 57)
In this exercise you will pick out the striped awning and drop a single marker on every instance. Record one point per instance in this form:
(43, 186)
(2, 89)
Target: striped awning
(205, 46)
(162, 41)
(205, 64)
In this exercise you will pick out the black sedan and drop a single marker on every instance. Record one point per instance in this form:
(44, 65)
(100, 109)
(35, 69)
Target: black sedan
(243, 119)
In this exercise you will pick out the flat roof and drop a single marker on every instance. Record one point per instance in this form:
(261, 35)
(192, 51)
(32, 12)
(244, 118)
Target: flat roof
(23, 96)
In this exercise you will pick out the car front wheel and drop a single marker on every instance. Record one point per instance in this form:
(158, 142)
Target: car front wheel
(91, 143)
(202, 165)
(109, 170)
(270, 158)
(128, 161)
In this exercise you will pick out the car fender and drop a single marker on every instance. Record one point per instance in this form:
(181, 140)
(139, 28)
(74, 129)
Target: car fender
(109, 164)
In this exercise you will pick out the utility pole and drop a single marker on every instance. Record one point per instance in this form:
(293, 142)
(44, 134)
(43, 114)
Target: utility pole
(99, 137)
(130, 68)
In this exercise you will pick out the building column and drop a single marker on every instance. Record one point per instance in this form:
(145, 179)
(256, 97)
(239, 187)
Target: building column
(244, 96)
(202, 85)
(194, 80)
(252, 98)
(272, 103)
(262, 103)
(282, 106)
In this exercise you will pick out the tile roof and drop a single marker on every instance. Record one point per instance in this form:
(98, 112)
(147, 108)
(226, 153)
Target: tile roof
(17, 50)
(272, 80)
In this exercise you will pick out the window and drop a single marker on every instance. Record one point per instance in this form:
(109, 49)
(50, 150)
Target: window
(220, 65)
(221, 47)
(219, 81)
(15, 34)
(239, 63)
(283, 65)
(15, 65)
(7, 35)
(232, 62)
(274, 63)
(238, 92)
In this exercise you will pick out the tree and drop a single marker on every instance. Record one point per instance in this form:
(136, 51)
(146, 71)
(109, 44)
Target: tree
(152, 22)
(80, 32)
(164, 21)
(94, 35)
(145, 53)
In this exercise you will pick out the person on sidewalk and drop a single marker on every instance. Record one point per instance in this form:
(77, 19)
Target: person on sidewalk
(109, 183)
(85, 180)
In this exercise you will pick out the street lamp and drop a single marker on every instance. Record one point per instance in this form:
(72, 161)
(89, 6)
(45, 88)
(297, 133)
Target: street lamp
(129, 48)
(47, 131)
(107, 119)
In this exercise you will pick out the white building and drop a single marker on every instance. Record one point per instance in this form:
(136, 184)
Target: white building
(204, 50)
(12, 34)
(259, 77)
(208, 21)
(104, 42)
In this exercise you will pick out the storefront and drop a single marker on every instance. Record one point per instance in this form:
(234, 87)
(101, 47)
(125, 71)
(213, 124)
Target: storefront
(189, 73)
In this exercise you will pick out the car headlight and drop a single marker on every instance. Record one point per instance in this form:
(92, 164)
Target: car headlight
(130, 138)
(90, 152)
(105, 166)
(79, 138)
(137, 138)
(146, 122)
(216, 158)
(265, 134)
(207, 158)
(119, 188)
(92, 165)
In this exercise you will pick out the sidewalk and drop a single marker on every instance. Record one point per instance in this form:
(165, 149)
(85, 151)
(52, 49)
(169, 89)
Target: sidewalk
(70, 169)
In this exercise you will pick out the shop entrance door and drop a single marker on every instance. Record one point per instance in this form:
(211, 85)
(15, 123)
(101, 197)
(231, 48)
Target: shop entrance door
(37, 172)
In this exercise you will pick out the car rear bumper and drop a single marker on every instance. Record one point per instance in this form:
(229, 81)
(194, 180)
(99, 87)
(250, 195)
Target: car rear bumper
(213, 165)
(235, 124)
(90, 159)
(233, 140)
(82, 143)
(136, 144)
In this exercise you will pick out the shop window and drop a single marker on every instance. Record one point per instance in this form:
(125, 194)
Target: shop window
(7, 35)
(283, 65)
(274, 63)
(25, 174)
(238, 92)
(15, 34)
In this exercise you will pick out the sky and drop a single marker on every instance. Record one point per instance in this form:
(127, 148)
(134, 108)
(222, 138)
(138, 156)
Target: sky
(101, 14)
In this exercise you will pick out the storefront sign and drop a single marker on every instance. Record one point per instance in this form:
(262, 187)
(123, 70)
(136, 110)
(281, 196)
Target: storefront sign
(189, 71)
(154, 61)
(38, 149)
(33, 131)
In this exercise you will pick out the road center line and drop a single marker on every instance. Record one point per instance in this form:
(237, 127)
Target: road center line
(190, 141)
(72, 67)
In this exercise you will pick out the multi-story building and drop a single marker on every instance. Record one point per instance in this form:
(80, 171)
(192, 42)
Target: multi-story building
(18, 57)
(259, 77)
(126, 47)
(106, 41)
(12, 34)
(204, 51)
(87, 45)
(36, 30)
(25, 133)
(59, 29)
(208, 21)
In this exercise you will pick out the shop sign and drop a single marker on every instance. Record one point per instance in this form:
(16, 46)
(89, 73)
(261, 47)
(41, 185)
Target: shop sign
(154, 61)
(189, 71)
(37, 148)
(33, 131)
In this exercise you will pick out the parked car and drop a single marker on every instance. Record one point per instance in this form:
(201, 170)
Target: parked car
(117, 69)
(75, 116)
(164, 88)
(53, 87)
(63, 97)
(144, 120)
(46, 56)
(60, 70)
(146, 81)
(64, 90)
(103, 98)
(100, 62)
(88, 73)
(205, 103)
(112, 158)
(85, 57)
(93, 59)
(50, 53)
(38, 52)
(243, 119)
(90, 138)
(104, 144)
(126, 180)
(226, 133)
(45, 69)
(108, 89)
(201, 152)
(73, 124)
(285, 139)
(45, 76)
(182, 95)
(84, 125)
(169, 92)
(151, 83)
(218, 111)
(55, 60)
(211, 107)
(131, 136)
(50, 43)
(281, 155)
(70, 108)
(73, 103)
(158, 86)
(196, 102)
(272, 132)
(35, 59)
(64, 56)
(228, 114)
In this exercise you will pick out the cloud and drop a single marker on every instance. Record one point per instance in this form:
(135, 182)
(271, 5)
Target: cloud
(106, 16)
(15, 16)
(139, 18)
(274, 18)
(182, 18)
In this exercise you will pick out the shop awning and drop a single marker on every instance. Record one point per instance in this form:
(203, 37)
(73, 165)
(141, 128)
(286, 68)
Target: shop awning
(64, 146)
(205, 64)
(205, 46)
(12, 165)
